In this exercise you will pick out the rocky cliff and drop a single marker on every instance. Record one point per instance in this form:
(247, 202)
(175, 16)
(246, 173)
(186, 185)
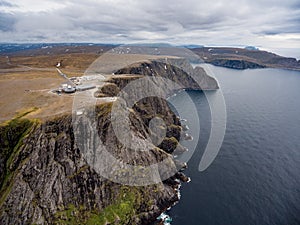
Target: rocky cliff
(236, 64)
(245, 58)
(177, 70)
(45, 177)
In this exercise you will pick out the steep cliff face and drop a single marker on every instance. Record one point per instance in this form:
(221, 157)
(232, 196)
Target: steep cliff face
(46, 178)
(236, 64)
(245, 58)
(176, 70)
(51, 182)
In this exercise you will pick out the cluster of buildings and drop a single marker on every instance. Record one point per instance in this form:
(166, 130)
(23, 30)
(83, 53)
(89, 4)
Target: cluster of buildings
(69, 88)
(72, 85)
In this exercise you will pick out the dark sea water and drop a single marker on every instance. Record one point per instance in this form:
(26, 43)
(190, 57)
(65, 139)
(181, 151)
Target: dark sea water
(255, 179)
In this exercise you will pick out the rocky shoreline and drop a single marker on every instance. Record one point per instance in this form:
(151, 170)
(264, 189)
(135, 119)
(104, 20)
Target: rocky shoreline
(243, 58)
(236, 64)
(48, 177)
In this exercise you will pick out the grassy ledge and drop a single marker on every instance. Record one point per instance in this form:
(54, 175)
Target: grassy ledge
(120, 212)
(12, 134)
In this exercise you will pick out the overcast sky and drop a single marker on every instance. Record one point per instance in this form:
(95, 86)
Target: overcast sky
(265, 23)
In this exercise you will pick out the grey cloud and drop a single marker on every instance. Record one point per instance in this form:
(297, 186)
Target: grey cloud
(171, 21)
(6, 4)
(7, 22)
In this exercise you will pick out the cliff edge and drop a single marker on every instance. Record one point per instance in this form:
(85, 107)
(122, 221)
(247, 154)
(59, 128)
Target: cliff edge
(45, 177)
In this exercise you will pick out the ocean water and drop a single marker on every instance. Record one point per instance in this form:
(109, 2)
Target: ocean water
(255, 178)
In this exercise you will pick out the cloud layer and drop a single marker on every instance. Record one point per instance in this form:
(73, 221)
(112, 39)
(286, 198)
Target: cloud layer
(219, 22)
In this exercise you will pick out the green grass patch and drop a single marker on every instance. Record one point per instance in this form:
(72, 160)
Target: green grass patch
(12, 134)
(104, 109)
(121, 211)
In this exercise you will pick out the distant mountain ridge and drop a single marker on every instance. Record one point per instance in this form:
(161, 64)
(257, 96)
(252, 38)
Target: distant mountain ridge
(236, 58)
(8, 48)
(245, 58)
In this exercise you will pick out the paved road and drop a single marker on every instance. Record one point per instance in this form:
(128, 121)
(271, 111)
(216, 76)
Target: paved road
(65, 77)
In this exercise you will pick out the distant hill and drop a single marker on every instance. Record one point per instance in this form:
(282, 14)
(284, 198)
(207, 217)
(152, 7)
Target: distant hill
(245, 58)
(51, 48)
(249, 57)
(193, 46)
